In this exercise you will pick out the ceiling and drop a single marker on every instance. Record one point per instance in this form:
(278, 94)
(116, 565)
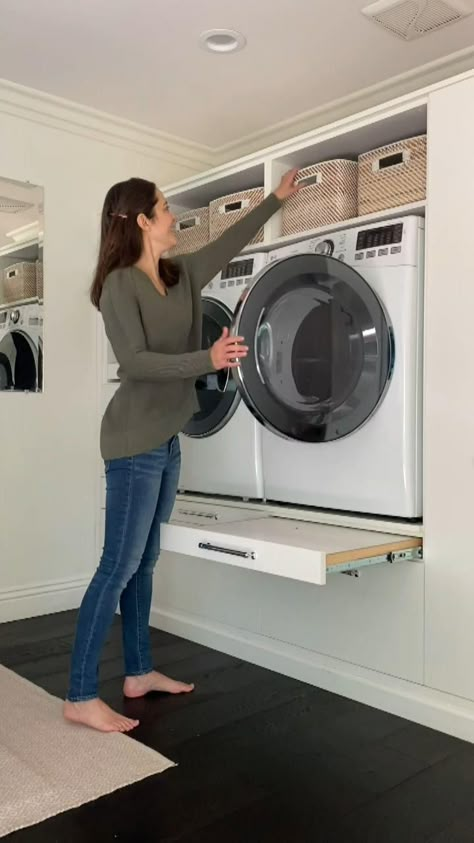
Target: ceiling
(140, 60)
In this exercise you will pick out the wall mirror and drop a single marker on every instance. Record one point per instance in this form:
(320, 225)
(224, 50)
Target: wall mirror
(21, 286)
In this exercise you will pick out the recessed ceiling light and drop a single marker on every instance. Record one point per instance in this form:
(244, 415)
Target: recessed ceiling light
(222, 40)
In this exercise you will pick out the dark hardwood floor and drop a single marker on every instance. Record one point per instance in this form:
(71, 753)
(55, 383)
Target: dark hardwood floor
(261, 758)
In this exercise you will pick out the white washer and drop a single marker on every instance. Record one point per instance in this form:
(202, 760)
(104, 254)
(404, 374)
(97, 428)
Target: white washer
(221, 445)
(336, 374)
(21, 347)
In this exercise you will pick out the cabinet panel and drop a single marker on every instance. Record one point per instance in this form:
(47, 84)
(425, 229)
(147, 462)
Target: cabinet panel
(449, 392)
(375, 621)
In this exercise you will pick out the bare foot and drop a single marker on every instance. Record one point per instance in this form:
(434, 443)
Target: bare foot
(138, 686)
(98, 715)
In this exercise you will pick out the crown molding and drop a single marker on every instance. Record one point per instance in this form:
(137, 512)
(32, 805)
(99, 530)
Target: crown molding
(55, 112)
(422, 77)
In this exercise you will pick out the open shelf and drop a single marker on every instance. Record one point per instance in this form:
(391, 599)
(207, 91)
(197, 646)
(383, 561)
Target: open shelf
(27, 251)
(341, 140)
(352, 143)
(212, 185)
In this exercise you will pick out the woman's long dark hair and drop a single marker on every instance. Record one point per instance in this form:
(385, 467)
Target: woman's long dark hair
(120, 236)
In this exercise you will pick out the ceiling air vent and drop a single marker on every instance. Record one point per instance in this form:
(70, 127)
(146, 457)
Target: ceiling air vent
(409, 19)
(13, 206)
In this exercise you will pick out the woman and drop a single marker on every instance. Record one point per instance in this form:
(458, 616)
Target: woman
(151, 309)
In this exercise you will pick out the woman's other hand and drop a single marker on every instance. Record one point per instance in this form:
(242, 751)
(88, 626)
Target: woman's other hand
(227, 351)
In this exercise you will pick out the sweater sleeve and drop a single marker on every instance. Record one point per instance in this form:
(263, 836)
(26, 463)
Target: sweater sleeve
(123, 325)
(203, 265)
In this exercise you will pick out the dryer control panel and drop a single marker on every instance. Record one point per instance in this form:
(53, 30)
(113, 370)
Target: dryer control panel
(239, 274)
(391, 243)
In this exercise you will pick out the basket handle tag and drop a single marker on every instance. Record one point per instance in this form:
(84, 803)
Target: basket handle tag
(189, 222)
(230, 207)
(395, 159)
(309, 180)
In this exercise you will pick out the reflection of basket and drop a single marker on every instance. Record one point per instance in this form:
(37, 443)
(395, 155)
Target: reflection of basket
(392, 175)
(327, 195)
(39, 279)
(229, 209)
(19, 282)
(192, 231)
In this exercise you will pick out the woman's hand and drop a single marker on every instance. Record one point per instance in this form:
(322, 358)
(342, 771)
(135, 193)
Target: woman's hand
(227, 351)
(287, 186)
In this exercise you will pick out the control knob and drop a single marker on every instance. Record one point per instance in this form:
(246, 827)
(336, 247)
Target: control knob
(326, 247)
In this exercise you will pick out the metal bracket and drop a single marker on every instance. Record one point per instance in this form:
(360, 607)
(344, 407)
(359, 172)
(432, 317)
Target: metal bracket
(414, 554)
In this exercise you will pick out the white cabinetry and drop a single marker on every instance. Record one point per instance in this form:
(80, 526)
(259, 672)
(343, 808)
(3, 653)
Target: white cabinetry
(400, 634)
(449, 393)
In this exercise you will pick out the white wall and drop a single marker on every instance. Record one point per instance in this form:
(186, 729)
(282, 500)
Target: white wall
(49, 442)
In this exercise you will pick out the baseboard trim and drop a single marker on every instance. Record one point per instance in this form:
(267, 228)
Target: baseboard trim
(435, 709)
(41, 598)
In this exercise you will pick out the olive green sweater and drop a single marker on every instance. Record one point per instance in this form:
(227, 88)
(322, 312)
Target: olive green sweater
(157, 342)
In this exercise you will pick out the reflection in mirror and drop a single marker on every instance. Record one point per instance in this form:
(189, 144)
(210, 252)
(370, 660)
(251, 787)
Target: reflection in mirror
(21, 286)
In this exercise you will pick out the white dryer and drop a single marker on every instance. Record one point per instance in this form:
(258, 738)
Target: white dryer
(336, 374)
(221, 444)
(21, 347)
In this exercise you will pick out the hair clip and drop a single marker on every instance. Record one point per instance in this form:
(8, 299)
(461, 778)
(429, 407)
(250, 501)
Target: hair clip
(122, 216)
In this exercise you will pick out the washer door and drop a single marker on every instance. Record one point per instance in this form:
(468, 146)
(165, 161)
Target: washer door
(18, 363)
(322, 348)
(7, 362)
(40, 365)
(217, 392)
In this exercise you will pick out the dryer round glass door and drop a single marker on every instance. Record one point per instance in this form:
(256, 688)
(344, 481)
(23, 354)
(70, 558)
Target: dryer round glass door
(217, 392)
(322, 348)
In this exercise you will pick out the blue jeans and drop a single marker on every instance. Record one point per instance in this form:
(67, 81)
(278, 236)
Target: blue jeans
(141, 491)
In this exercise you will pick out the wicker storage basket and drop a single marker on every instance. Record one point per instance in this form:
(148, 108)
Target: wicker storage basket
(19, 282)
(192, 230)
(39, 279)
(229, 209)
(392, 175)
(328, 195)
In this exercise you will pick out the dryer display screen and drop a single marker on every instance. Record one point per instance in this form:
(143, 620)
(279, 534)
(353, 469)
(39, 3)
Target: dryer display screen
(238, 269)
(381, 236)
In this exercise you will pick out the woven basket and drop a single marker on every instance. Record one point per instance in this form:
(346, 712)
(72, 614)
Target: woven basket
(192, 231)
(392, 175)
(39, 279)
(328, 195)
(227, 210)
(19, 282)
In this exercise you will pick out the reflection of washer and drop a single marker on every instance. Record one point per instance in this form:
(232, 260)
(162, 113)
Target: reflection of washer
(336, 374)
(221, 445)
(21, 347)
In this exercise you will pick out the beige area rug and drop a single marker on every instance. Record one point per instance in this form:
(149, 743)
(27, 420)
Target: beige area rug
(48, 766)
